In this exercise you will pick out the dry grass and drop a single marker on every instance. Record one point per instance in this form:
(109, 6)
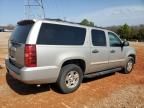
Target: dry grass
(4, 36)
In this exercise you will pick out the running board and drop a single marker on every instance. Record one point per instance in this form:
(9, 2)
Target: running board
(101, 73)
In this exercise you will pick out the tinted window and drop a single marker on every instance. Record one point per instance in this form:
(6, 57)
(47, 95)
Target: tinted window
(20, 33)
(98, 38)
(114, 40)
(53, 34)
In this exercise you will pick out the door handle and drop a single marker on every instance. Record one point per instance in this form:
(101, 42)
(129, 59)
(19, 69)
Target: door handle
(112, 51)
(95, 51)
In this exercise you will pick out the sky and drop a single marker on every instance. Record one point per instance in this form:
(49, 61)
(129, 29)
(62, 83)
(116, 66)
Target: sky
(101, 12)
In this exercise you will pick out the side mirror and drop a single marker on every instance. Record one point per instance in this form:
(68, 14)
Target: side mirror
(125, 43)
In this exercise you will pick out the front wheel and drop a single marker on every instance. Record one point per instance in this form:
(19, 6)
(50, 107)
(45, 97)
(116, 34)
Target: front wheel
(129, 65)
(70, 78)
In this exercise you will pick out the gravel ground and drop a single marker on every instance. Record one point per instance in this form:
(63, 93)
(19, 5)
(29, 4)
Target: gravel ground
(128, 97)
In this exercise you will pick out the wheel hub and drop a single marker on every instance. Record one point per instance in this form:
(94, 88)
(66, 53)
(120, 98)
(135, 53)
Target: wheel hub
(129, 65)
(72, 79)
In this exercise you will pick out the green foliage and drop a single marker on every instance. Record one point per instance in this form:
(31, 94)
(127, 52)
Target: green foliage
(129, 32)
(141, 34)
(125, 31)
(87, 23)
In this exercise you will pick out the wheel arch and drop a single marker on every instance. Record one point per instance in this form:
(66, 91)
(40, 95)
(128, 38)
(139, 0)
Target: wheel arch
(80, 62)
(133, 56)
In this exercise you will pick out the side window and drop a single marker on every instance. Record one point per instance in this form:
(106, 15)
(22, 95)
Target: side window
(114, 40)
(54, 34)
(98, 38)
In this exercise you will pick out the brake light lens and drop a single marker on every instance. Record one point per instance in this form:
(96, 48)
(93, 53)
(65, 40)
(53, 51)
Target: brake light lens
(30, 55)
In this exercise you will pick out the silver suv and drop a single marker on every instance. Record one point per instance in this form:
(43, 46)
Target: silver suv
(51, 51)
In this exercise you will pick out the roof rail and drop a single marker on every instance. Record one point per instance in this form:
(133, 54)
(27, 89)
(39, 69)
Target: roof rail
(60, 20)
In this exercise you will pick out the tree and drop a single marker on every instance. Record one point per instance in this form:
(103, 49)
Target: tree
(129, 32)
(87, 23)
(141, 34)
(134, 33)
(91, 24)
(125, 32)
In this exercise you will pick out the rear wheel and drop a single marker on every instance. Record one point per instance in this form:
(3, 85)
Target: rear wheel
(129, 65)
(70, 78)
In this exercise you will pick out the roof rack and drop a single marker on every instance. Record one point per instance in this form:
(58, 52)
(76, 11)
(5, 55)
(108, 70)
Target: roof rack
(60, 20)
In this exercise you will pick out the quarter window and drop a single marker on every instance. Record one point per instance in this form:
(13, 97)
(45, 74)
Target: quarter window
(54, 34)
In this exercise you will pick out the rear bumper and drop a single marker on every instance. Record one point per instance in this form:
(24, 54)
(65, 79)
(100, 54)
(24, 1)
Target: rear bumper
(34, 75)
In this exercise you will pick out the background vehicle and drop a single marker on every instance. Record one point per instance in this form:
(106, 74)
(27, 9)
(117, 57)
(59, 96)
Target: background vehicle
(46, 51)
(1, 29)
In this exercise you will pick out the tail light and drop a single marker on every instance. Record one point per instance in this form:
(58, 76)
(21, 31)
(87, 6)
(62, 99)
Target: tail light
(30, 55)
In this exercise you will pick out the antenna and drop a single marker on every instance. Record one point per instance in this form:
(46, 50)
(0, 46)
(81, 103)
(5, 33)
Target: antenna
(34, 9)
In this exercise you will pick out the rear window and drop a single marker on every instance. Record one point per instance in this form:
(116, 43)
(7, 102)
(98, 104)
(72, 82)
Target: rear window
(52, 34)
(20, 33)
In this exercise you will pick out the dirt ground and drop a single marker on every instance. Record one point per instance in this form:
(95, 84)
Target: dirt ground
(112, 91)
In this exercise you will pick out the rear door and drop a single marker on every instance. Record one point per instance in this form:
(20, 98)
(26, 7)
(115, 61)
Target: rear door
(17, 43)
(99, 51)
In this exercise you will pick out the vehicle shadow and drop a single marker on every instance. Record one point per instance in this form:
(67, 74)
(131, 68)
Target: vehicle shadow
(25, 89)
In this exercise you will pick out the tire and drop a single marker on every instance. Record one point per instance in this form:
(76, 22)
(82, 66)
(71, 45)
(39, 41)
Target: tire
(70, 78)
(129, 65)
